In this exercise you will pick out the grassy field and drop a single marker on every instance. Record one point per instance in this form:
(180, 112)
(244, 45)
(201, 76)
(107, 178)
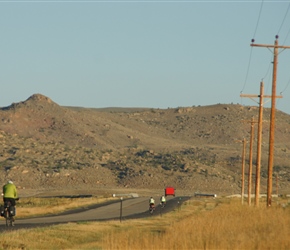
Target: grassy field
(219, 223)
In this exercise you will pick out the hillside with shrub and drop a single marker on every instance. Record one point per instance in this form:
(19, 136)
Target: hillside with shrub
(48, 146)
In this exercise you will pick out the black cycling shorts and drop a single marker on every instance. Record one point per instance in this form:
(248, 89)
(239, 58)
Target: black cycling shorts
(13, 203)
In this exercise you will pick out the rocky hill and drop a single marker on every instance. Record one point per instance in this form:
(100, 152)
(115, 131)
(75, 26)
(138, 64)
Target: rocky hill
(47, 146)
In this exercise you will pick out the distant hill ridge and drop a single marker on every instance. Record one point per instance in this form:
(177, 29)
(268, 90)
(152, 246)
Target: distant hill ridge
(177, 141)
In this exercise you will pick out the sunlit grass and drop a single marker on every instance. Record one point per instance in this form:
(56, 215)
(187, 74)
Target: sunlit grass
(227, 226)
(198, 224)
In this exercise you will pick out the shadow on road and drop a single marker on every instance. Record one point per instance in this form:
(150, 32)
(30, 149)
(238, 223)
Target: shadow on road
(136, 208)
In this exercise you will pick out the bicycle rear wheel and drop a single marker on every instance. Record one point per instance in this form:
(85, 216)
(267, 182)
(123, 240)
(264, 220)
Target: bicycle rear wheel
(9, 219)
(6, 215)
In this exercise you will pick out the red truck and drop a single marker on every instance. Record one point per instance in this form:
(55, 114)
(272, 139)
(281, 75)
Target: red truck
(169, 191)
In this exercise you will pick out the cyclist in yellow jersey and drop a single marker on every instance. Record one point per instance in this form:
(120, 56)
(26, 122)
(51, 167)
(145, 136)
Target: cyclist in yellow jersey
(10, 193)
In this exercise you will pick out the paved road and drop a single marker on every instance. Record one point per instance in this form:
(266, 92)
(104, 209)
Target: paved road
(131, 208)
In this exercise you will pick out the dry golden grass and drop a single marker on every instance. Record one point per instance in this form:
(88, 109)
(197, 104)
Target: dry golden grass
(199, 224)
(228, 226)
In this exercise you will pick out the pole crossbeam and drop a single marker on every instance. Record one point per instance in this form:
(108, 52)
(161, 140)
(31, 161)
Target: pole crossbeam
(265, 96)
(270, 46)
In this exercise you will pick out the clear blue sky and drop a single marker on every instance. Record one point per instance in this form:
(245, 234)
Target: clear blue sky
(154, 54)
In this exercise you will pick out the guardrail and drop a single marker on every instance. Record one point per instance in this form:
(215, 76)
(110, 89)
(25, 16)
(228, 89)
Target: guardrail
(204, 195)
(133, 195)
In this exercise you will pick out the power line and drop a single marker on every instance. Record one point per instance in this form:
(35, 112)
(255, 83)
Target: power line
(286, 36)
(268, 70)
(287, 85)
(258, 19)
(248, 69)
(250, 58)
(284, 19)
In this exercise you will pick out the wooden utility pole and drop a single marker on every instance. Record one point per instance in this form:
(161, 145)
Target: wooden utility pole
(259, 146)
(243, 170)
(259, 140)
(250, 162)
(272, 119)
(277, 185)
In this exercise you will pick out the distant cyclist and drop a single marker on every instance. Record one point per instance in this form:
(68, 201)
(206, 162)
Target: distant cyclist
(10, 193)
(151, 202)
(162, 200)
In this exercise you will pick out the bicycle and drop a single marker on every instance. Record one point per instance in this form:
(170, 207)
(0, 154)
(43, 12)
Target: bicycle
(9, 213)
(151, 208)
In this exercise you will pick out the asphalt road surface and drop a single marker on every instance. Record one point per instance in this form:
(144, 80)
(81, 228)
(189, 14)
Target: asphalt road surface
(131, 208)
